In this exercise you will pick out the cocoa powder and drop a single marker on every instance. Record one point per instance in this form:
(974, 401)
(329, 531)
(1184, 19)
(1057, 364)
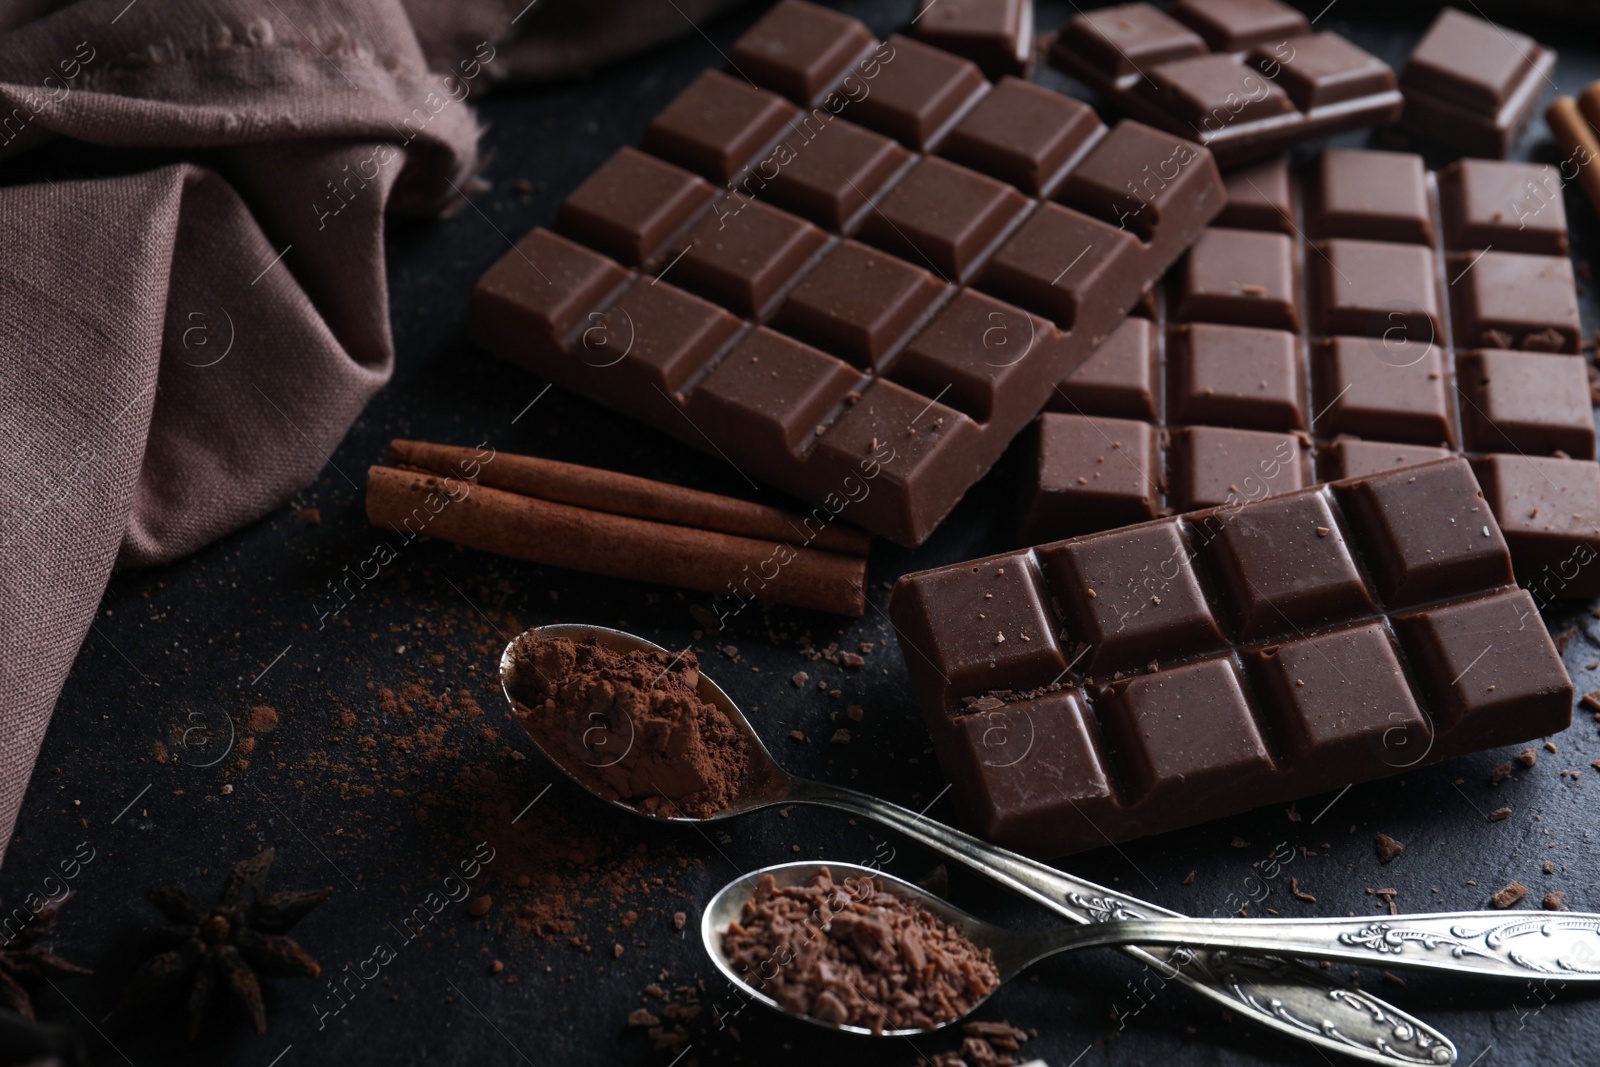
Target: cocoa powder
(630, 726)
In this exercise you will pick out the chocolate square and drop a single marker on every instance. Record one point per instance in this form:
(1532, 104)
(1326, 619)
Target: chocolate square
(769, 394)
(943, 215)
(1236, 376)
(1378, 289)
(1426, 531)
(632, 204)
(1342, 699)
(1515, 300)
(1375, 196)
(743, 252)
(800, 49)
(1187, 735)
(1022, 133)
(826, 171)
(1481, 658)
(1322, 70)
(717, 125)
(1131, 595)
(1052, 259)
(918, 92)
(1366, 387)
(997, 634)
(1285, 566)
(858, 302)
(1120, 379)
(1215, 467)
(969, 351)
(1094, 474)
(1526, 402)
(1241, 278)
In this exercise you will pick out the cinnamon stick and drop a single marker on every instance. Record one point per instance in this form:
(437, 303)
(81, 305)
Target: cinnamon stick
(546, 531)
(1574, 123)
(624, 494)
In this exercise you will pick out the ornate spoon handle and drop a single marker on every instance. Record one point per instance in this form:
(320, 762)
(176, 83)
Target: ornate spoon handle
(1477, 943)
(1276, 993)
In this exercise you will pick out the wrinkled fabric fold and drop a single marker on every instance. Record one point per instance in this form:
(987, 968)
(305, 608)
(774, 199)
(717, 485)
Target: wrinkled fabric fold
(182, 348)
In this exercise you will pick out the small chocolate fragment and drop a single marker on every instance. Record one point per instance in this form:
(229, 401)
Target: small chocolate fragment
(1473, 84)
(1513, 892)
(1387, 848)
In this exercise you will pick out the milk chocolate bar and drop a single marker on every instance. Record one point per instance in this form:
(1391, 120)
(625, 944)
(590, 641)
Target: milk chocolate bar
(1245, 78)
(860, 300)
(1474, 85)
(1331, 328)
(1138, 680)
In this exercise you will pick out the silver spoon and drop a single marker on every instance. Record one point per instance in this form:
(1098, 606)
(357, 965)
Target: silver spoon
(1014, 951)
(1287, 997)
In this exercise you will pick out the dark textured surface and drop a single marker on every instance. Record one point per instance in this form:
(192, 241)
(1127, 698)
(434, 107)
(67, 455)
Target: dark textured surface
(186, 646)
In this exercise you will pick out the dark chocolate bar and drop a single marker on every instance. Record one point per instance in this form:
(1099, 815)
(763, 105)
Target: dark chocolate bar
(1245, 78)
(1139, 680)
(868, 289)
(997, 35)
(1332, 328)
(1474, 85)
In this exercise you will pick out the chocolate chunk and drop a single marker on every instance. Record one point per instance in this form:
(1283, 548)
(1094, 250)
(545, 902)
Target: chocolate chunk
(1247, 654)
(1247, 76)
(1473, 84)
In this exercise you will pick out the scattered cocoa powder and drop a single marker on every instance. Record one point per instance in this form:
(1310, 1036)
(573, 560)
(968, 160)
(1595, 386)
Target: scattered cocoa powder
(857, 955)
(261, 719)
(630, 726)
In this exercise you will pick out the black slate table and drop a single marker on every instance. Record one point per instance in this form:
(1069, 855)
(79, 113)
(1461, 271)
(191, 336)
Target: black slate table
(381, 798)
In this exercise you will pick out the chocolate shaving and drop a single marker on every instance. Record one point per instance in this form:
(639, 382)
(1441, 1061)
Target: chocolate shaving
(853, 954)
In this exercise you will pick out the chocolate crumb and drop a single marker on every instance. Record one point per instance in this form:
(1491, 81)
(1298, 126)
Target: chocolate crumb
(1513, 892)
(643, 1017)
(1554, 902)
(679, 919)
(1527, 757)
(1499, 813)
(1299, 894)
(1188, 879)
(1500, 773)
(800, 678)
(1239, 842)
(1387, 848)
(855, 712)
(480, 906)
(841, 736)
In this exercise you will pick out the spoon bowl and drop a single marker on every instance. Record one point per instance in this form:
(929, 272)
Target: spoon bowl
(1009, 951)
(768, 783)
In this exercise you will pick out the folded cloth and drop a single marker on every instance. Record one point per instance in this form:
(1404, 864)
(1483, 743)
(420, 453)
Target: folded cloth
(182, 348)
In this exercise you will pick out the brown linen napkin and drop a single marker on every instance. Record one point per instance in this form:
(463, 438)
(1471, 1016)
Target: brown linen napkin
(181, 351)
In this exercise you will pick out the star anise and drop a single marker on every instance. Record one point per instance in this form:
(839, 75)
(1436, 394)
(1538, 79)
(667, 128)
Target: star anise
(230, 943)
(23, 962)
